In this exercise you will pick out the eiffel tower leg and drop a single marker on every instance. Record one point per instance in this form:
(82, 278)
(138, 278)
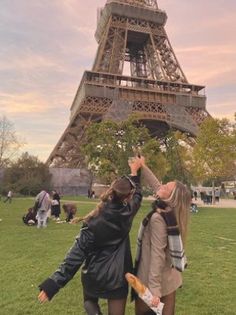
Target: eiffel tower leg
(111, 52)
(68, 144)
(67, 152)
(100, 57)
(168, 59)
(156, 66)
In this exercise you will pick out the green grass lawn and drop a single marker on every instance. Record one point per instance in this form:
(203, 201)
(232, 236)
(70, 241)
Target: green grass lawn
(29, 255)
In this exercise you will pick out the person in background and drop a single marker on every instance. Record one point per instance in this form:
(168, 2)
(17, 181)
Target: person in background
(157, 263)
(89, 193)
(56, 205)
(43, 205)
(103, 247)
(70, 210)
(234, 194)
(217, 195)
(30, 217)
(9, 197)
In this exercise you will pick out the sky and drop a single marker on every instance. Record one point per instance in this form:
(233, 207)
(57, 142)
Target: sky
(46, 45)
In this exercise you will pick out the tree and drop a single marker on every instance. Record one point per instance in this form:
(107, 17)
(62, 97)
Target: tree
(110, 144)
(215, 150)
(9, 143)
(178, 150)
(27, 175)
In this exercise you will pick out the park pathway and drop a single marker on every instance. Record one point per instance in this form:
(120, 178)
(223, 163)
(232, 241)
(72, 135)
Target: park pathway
(223, 203)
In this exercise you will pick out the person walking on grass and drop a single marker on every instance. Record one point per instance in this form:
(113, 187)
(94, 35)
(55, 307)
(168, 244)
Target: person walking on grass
(103, 247)
(9, 197)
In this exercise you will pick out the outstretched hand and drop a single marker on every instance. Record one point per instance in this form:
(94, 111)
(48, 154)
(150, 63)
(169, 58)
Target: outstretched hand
(42, 297)
(134, 164)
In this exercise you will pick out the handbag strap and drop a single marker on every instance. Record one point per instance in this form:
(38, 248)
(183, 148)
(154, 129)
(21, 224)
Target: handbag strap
(40, 203)
(148, 217)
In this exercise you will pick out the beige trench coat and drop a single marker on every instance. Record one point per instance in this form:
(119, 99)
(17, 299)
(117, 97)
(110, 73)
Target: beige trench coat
(155, 269)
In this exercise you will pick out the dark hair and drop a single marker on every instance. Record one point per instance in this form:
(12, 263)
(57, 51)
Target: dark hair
(119, 190)
(69, 208)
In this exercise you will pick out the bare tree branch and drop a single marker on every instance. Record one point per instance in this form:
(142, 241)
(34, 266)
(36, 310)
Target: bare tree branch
(9, 142)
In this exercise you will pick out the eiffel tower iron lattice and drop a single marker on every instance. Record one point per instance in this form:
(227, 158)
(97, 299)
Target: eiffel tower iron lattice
(135, 71)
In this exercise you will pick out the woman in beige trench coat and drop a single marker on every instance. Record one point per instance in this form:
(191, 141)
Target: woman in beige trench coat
(155, 269)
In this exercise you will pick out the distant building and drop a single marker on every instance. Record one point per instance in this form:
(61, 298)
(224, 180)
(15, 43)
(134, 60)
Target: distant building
(66, 181)
(99, 189)
(69, 181)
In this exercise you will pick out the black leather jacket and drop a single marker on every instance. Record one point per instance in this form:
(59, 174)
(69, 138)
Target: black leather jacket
(103, 246)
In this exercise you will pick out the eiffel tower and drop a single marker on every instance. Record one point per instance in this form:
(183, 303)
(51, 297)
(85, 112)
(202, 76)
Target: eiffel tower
(135, 71)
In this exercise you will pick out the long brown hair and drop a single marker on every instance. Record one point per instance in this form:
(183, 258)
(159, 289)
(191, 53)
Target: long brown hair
(119, 190)
(180, 200)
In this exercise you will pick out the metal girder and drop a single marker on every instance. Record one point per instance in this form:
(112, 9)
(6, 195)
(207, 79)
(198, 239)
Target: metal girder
(148, 48)
(111, 52)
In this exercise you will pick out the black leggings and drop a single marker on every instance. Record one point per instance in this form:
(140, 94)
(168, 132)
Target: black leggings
(115, 307)
(91, 306)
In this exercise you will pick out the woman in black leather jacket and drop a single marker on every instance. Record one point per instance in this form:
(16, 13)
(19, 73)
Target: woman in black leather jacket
(103, 247)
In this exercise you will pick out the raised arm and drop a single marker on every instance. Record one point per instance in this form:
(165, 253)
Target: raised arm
(135, 165)
(149, 178)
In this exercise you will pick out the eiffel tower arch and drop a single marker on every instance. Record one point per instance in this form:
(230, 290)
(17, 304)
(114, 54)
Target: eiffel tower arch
(135, 71)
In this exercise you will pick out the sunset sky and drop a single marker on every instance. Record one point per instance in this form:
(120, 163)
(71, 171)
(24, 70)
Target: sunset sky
(45, 46)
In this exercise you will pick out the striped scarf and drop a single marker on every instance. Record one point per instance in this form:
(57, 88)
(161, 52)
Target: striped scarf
(175, 244)
(176, 249)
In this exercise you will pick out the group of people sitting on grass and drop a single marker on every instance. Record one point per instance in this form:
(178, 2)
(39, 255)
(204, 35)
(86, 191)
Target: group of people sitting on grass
(103, 248)
(39, 213)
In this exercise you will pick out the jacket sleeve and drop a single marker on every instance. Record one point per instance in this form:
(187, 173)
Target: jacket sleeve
(135, 203)
(150, 179)
(71, 264)
(158, 238)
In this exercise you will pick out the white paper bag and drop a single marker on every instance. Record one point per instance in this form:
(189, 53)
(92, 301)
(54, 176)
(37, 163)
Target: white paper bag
(147, 298)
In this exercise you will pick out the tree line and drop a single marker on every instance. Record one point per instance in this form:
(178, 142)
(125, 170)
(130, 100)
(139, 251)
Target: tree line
(207, 158)
(23, 173)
